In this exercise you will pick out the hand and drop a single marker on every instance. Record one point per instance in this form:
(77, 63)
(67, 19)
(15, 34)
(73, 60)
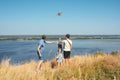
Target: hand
(57, 42)
(56, 58)
(40, 54)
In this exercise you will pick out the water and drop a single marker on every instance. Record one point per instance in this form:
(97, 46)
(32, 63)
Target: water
(21, 51)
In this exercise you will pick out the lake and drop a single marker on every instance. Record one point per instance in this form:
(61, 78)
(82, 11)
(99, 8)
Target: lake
(25, 50)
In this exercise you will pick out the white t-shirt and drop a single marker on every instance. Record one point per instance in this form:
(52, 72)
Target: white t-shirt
(67, 46)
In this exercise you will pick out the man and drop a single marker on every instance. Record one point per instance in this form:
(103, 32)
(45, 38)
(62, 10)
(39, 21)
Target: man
(40, 49)
(67, 48)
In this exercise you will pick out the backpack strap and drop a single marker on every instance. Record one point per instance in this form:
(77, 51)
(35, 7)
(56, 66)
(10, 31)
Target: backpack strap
(69, 44)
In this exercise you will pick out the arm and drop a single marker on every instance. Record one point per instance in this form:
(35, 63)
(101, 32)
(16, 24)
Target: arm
(71, 46)
(51, 42)
(38, 51)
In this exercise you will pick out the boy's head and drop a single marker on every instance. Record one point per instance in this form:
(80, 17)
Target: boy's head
(67, 36)
(43, 37)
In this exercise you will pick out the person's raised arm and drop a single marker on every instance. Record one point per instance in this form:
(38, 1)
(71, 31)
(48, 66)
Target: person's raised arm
(51, 42)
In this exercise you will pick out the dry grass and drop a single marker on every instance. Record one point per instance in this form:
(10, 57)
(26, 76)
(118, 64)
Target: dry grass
(88, 67)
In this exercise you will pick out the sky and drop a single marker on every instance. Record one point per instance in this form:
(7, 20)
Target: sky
(78, 17)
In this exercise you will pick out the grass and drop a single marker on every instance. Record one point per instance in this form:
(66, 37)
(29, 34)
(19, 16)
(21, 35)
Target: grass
(87, 67)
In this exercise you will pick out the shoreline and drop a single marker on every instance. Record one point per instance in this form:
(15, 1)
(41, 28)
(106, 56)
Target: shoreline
(55, 37)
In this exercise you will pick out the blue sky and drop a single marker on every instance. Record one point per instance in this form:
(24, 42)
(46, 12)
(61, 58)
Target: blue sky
(82, 17)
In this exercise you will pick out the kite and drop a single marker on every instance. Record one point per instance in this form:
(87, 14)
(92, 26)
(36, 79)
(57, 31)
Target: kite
(59, 13)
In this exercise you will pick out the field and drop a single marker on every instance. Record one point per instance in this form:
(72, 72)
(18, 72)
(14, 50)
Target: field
(99, 66)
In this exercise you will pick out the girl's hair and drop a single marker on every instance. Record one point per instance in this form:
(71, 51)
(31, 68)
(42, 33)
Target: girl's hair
(60, 46)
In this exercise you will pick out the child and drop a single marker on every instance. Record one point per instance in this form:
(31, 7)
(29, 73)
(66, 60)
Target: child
(59, 55)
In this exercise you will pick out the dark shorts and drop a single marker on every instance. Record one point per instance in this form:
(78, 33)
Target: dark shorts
(40, 57)
(67, 54)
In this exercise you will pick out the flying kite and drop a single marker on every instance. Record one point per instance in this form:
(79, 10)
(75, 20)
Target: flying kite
(59, 13)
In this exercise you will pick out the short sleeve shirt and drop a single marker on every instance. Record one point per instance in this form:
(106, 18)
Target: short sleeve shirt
(67, 45)
(42, 45)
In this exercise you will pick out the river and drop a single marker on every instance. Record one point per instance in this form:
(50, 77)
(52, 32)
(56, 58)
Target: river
(25, 50)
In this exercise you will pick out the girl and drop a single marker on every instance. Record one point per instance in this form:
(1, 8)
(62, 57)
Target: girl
(59, 54)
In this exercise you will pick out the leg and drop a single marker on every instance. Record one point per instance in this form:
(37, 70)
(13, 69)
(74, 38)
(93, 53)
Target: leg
(67, 56)
(39, 65)
(65, 60)
(60, 63)
(68, 61)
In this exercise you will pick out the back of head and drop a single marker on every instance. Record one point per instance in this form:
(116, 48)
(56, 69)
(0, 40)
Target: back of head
(43, 37)
(68, 35)
(59, 45)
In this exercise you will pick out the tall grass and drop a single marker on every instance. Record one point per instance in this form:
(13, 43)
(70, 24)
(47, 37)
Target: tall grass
(87, 67)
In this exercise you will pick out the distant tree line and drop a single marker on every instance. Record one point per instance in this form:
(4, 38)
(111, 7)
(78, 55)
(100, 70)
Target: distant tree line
(53, 37)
